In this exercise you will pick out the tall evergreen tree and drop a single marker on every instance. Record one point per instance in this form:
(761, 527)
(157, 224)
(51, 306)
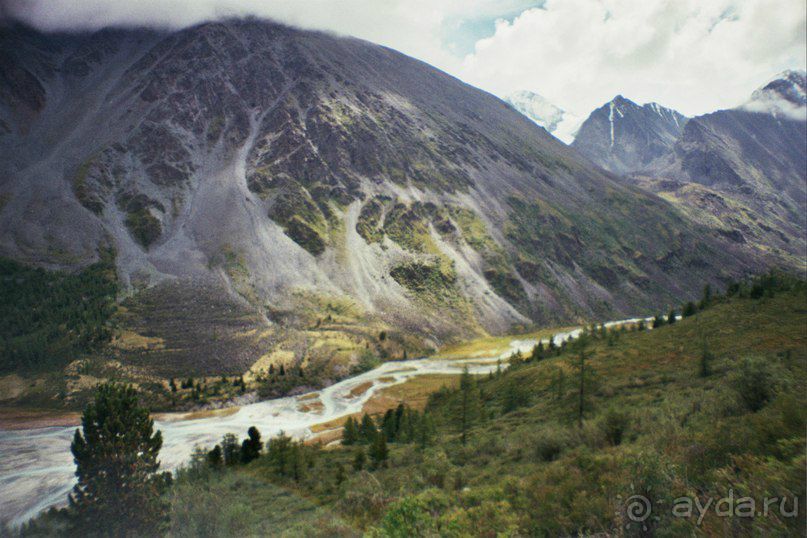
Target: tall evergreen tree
(350, 432)
(379, 451)
(230, 449)
(119, 490)
(251, 446)
(367, 430)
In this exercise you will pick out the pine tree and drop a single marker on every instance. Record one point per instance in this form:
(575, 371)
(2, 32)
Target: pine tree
(689, 309)
(388, 425)
(367, 430)
(119, 491)
(282, 370)
(230, 449)
(251, 446)
(173, 385)
(658, 321)
(215, 457)
(279, 453)
(538, 352)
(379, 451)
(350, 432)
(426, 430)
(672, 317)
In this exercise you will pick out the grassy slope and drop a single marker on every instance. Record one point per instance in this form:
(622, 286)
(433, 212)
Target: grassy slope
(532, 470)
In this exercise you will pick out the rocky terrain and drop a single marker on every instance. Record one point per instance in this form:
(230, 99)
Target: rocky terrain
(622, 136)
(284, 190)
(739, 171)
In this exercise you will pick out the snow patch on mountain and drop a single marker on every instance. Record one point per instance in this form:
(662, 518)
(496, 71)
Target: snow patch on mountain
(560, 123)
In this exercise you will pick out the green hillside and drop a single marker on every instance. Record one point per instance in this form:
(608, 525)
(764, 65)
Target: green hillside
(710, 406)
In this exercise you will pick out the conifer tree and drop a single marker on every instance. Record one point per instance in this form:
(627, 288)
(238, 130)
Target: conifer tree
(689, 309)
(119, 490)
(672, 317)
(367, 430)
(538, 351)
(379, 451)
(426, 430)
(230, 449)
(388, 425)
(251, 446)
(350, 432)
(215, 457)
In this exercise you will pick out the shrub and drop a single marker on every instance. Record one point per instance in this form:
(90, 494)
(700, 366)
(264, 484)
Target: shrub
(614, 425)
(754, 383)
(550, 443)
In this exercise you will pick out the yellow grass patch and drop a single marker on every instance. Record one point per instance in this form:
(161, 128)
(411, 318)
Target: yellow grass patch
(491, 346)
(414, 392)
(131, 341)
(276, 358)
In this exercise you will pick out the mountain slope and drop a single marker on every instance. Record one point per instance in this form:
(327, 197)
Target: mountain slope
(747, 167)
(313, 190)
(622, 136)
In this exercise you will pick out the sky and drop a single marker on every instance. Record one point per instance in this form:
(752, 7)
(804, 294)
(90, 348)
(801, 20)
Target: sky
(696, 56)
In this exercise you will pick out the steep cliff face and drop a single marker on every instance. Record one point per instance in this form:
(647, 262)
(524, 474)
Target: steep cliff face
(622, 136)
(281, 173)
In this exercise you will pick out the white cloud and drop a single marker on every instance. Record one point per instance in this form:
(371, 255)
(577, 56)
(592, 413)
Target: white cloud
(693, 55)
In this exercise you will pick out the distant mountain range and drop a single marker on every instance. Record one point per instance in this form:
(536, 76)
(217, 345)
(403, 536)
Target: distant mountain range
(291, 180)
(742, 171)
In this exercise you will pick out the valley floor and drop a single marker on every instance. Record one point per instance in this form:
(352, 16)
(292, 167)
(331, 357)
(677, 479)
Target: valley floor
(709, 408)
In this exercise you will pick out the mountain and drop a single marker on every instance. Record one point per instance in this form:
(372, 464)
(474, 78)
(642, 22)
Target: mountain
(562, 124)
(277, 195)
(744, 170)
(622, 136)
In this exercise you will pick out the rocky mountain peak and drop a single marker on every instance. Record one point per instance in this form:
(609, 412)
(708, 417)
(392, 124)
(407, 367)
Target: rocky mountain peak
(623, 136)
